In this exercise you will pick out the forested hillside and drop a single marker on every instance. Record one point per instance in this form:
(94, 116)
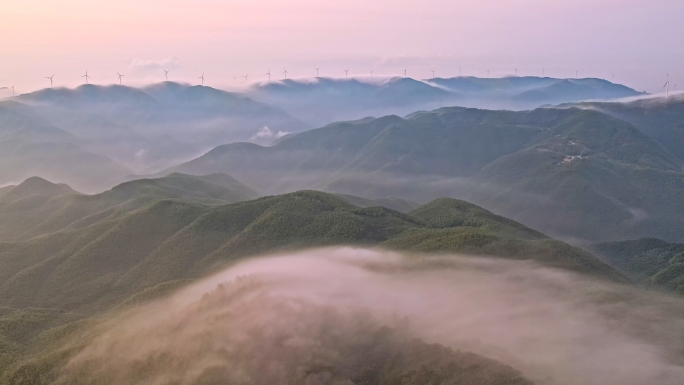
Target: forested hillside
(73, 256)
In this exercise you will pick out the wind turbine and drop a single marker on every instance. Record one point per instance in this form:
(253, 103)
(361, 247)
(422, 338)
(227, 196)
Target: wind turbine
(120, 76)
(269, 75)
(166, 75)
(404, 72)
(246, 76)
(666, 87)
(543, 72)
(317, 71)
(487, 73)
(346, 73)
(86, 76)
(202, 77)
(460, 71)
(285, 72)
(50, 77)
(516, 72)
(433, 74)
(12, 90)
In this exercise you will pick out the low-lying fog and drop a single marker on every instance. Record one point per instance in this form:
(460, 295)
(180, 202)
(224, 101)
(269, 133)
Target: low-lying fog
(298, 318)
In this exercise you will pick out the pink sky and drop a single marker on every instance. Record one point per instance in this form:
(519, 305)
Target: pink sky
(638, 41)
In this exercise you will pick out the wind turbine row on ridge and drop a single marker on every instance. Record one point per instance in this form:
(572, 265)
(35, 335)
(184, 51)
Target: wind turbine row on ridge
(87, 77)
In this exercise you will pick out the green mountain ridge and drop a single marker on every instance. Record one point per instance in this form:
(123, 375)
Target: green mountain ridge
(167, 240)
(147, 232)
(71, 258)
(37, 207)
(398, 204)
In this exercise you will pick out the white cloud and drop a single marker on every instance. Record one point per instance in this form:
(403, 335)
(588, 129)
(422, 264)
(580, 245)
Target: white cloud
(265, 134)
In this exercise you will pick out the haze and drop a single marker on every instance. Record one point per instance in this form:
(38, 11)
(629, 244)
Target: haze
(229, 39)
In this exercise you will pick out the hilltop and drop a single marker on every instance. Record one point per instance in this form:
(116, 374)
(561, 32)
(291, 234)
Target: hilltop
(37, 207)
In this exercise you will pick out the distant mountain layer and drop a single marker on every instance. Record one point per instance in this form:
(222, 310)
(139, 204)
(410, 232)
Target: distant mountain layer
(92, 136)
(571, 172)
(651, 261)
(320, 101)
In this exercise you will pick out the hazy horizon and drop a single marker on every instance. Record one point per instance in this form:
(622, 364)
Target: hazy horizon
(227, 40)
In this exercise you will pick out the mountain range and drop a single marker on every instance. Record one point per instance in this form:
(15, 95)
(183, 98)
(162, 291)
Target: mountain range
(577, 173)
(93, 136)
(320, 101)
(72, 258)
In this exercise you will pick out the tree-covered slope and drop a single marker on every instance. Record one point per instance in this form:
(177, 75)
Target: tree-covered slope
(648, 260)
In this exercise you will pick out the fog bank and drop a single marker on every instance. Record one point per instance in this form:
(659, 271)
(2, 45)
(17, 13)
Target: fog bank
(312, 317)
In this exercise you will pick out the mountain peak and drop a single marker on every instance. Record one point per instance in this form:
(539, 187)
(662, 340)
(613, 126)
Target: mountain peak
(38, 186)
